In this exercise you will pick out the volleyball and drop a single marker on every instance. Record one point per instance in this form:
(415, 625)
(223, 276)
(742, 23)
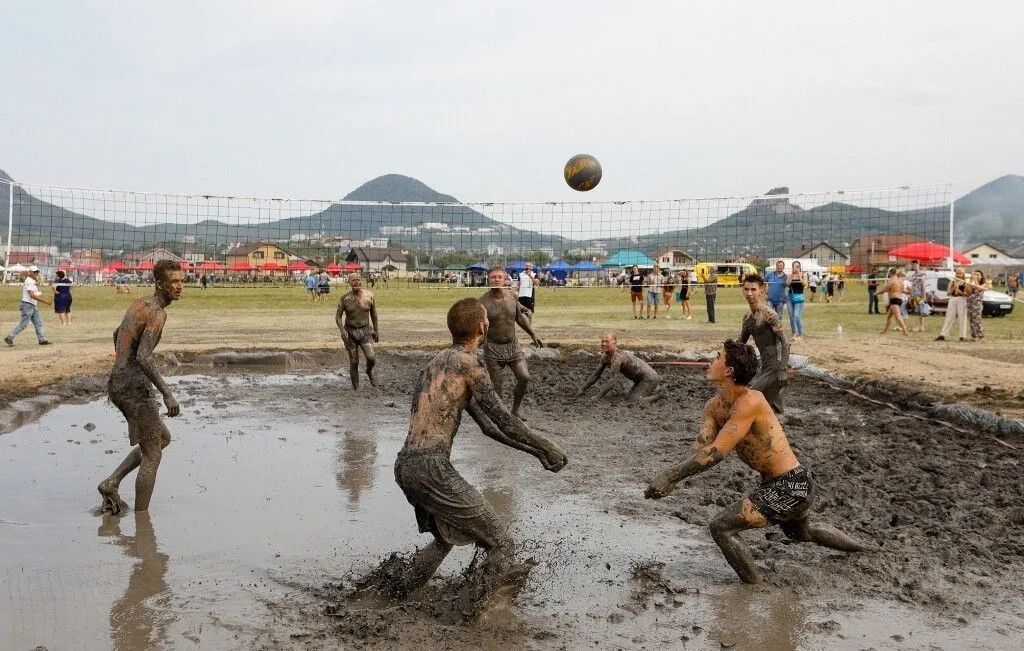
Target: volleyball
(583, 172)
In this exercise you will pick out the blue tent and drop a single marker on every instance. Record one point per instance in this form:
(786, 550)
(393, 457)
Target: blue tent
(627, 258)
(586, 265)
(516, 266)
(559, 269)
(478, 266)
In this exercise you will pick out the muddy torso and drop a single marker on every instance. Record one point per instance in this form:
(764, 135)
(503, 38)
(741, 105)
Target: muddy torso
(631, 366)
(765, 447)
(761, 324)
(440, 395)
(356, 309)
(129, 336)
(501, 312)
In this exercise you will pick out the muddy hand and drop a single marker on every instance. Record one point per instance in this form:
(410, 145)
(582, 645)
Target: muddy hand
(658, 488)
(172, 405)
(538, 343)
(554, 459)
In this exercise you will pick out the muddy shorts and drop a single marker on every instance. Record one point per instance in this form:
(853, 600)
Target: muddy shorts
(784, 498)
(446, 504)
(130, 393)
(503, 353)
(356, 337)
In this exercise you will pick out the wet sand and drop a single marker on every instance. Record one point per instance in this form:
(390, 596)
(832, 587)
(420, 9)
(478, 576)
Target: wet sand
(277, 487)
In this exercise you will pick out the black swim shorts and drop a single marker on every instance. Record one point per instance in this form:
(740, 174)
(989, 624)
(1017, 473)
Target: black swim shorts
(784, 498)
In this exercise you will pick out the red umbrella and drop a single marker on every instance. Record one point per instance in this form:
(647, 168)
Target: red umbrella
(928, 252)
(352, 266)
(116, 265)
(145, 265)
(211, 265)
(333, 267)
(299, 265)
(240, 266)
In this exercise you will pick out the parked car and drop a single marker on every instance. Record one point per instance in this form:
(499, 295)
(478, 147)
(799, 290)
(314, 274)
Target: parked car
(937, 286)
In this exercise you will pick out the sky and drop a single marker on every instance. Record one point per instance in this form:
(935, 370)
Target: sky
(487, 101)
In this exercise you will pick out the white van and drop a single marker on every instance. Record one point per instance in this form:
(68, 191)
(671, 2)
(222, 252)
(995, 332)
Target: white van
(936, 286)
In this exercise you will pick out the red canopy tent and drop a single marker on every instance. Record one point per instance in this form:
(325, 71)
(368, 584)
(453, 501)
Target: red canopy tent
(300, 265)
(210, 265)
(352, 266)
(116, 265)
(145, 265)
(270, 265)
(64, 266)
(240, 266)
(928, 253)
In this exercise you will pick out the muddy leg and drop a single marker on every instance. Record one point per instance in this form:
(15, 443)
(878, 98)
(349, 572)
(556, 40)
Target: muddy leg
(494, 370)
(111, 499)
(371, 361)
(725, 530)
(353, 366)
(522, 373)
(151, 445)
(803, 530)
(423, 565)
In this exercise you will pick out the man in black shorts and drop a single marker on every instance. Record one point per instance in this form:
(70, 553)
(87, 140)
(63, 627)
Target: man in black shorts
(636, 291)
(740, 419)
(357, 319)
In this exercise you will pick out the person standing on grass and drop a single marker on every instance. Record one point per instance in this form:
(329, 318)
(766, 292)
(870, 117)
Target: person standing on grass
(918, 294)
(356, 317)
(311, 284)
(710, 281)
(776, 283)
(894, 288)
(956, 307)
(873, 295)
(739, 418)
(30, 299)
(668, 289)
(797, 283)
(62, 298)
(976, 304)
(654, 282)
(636, 291)
(131, 389)
(685, 288)
(527, 292)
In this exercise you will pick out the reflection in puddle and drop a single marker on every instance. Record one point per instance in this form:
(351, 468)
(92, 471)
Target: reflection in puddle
(357, 454)
(136, 620)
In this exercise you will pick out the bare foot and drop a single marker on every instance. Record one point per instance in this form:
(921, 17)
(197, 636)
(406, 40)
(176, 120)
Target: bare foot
(373, 380)
(112, 502)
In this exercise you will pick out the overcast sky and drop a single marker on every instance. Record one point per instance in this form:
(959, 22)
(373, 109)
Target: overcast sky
(486, 101)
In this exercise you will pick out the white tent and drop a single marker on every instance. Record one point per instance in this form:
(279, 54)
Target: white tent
(17, 268)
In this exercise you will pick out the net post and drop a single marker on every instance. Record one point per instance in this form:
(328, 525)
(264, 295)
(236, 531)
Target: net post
(952, 202)
(10, 227)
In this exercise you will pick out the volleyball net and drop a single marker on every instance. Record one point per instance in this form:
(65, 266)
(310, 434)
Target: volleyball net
(94, 234)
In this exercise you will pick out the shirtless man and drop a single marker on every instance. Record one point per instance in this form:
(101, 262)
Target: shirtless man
(894, 288)
(740, 419)
(646, 381)
(501, 348)
(357, 319)
(131, 389)
(764, 326)
(447, 506)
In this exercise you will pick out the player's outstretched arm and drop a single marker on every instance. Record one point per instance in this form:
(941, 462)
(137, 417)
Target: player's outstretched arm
(524, 323)
(594, 377)
(708, 455)
(511, 428)
(782, 339)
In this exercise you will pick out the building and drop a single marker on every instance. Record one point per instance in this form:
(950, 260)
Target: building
(992, 261)
(674, 259)
(266, 257)
(871, 251)
(88, 258)
(43, 256)
(826, 254)
(379, 260)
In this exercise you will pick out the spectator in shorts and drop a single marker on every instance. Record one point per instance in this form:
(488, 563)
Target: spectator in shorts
(654, 282)
(312, 280)
(813, 282)
(905, 305)
(323, 285)
(636, 291)
(1012, 285)
(668, 289)
(685, 288)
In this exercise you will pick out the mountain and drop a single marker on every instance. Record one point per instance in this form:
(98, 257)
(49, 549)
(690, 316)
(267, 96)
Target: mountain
(395, 187)
(991, 213)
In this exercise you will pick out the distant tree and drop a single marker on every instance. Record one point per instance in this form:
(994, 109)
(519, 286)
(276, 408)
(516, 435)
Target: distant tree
(538, 258)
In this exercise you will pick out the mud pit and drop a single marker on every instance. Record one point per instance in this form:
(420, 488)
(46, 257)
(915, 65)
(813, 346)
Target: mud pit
(277, 488)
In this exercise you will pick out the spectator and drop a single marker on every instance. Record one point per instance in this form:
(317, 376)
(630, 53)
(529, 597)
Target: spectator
(526, 294)
(812, 283)
(62, 298)
(873, 294)
(654, 282)
(685, 287)
(776, 282)
(905, 304)
(204, 281)
(323, 285)
(312, 280)
(797, 283)
(975, 304)
(918, 294)
(668, 288)
(30, 299)
(636, 291)
(711, 291)
(894, 287)
(1012, 285)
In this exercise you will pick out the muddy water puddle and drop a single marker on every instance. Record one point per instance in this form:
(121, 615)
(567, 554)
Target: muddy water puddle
(278, 481)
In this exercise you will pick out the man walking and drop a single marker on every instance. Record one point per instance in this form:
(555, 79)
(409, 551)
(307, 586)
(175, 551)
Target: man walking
(131, 389)
(30, 299)
(356, 317)
(776, 282)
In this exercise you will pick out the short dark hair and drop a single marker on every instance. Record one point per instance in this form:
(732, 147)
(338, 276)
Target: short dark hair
(754, 278)
(60, 273)
(163, 268)
(914, 262)
(742, 359)
(464, 317)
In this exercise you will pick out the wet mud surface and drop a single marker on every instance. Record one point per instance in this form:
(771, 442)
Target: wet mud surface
(277, 496)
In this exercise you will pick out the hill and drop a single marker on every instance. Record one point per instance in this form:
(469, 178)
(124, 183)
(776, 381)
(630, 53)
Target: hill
(993, 212)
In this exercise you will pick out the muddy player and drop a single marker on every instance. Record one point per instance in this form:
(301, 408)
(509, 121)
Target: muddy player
(646, 381)
(501, 348)
(742, 420)
(764, 325)
(131, 389)
(447, 506)
(894, 288)
(357, 319)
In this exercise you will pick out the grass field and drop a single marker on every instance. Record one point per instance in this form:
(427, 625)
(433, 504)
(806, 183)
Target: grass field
(412, 316)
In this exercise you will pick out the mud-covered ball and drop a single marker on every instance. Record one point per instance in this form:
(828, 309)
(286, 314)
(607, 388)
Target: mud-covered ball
(583, 172)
